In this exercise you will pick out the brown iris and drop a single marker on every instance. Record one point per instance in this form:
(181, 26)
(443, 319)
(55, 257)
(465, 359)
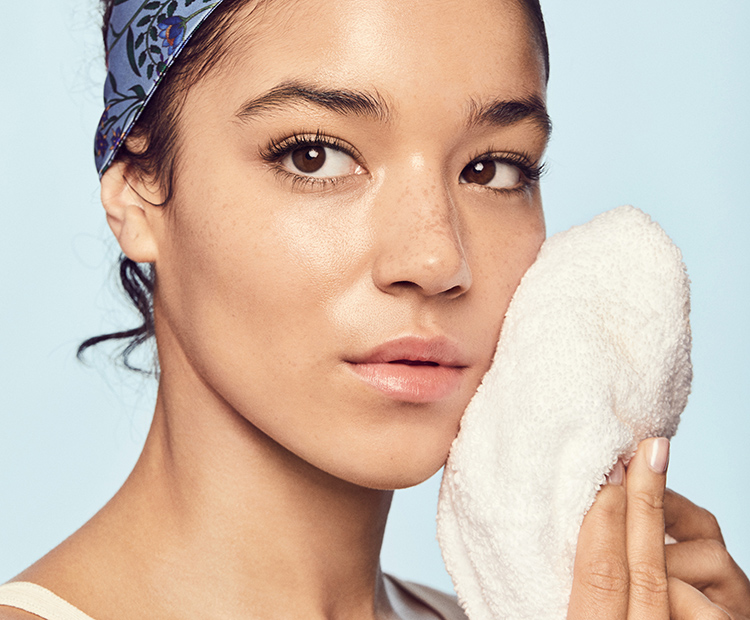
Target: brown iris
(479, 172)
(309, 158)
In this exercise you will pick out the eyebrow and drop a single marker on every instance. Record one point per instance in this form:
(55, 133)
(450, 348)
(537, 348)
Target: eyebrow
(497, 112)
(341, 101)
(504, 113)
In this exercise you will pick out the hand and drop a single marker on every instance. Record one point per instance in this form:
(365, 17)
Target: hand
(698, 565)
(623, 570)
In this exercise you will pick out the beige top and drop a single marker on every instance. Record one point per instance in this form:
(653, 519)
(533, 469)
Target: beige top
(37, 600)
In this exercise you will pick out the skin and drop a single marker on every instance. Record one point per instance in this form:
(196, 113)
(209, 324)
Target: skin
(268, 471)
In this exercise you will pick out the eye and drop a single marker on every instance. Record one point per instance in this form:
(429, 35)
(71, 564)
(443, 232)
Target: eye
(492, 173)
(318, 160)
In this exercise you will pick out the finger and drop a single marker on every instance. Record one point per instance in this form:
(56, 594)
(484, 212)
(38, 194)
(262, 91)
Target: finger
(687, 603)
(600, 573)
(648, 592)
(707, 566)
(686, 521)
(701, 563)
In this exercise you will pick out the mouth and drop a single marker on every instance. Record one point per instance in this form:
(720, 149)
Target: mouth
(414, 363)
(413, 370)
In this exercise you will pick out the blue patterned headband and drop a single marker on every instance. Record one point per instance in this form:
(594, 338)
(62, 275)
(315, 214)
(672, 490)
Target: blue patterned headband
(143, 40)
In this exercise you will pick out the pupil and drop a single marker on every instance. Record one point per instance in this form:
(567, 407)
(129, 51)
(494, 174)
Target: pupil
(309, 158)
(480, 172)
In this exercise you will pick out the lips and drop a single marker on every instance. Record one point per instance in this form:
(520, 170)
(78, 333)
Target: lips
(411, 369)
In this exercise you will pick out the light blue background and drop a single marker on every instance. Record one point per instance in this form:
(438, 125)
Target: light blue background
(650, 105)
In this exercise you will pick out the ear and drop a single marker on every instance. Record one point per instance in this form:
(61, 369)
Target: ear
(127, 215)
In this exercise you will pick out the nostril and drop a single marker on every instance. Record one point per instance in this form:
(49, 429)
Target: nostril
(404, 285)
(454, 292)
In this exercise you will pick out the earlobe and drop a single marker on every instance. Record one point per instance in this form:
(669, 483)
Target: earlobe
(126, 216)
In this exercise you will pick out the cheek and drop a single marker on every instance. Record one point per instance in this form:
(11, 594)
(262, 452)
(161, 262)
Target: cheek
(501, 254)
(253, 295)
(240, 270)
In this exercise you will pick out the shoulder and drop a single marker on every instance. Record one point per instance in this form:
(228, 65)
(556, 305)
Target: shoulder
(25, 600)
(10, 613)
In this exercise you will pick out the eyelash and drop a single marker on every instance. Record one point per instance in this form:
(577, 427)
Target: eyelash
(530, 172)
(277, 150)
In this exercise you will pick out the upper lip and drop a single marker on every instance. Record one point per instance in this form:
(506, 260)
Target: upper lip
(438, 350)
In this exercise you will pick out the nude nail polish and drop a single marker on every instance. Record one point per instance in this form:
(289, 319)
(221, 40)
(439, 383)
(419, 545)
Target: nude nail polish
(658, 457)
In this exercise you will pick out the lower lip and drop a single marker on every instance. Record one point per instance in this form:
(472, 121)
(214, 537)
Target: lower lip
(411, 383)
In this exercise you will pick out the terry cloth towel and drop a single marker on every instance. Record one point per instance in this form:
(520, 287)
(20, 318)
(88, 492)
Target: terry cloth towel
(594, 356)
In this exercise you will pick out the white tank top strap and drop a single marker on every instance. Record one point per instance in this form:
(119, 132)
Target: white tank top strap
(37, 600)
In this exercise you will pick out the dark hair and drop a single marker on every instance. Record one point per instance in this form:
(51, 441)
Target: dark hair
(534, 11)
(156, 130)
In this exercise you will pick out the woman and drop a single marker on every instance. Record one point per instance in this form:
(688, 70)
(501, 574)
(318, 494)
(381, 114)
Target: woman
(354, 195)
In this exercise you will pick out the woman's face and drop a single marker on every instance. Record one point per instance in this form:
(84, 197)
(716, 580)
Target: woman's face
(356, 202)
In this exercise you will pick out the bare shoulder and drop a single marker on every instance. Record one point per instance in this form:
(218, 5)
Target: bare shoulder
(10, 613)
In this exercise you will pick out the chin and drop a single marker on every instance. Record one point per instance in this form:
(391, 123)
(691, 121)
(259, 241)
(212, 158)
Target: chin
(398, 470)
(400, 455)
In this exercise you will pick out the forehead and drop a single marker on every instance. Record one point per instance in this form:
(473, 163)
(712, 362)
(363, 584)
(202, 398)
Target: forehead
(405, 49)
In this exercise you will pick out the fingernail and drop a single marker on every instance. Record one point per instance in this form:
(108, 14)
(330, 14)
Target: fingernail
(616, 475)
(659, 455)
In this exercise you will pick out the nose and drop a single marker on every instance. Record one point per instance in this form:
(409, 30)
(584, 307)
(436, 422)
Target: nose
(418, 239)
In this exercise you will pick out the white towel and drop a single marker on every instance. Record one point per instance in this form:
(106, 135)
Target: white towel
(593, 357)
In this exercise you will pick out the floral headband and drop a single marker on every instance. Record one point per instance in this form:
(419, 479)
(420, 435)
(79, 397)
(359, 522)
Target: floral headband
(143, 40)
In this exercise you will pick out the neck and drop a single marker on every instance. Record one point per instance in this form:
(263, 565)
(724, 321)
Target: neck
(215, 505)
